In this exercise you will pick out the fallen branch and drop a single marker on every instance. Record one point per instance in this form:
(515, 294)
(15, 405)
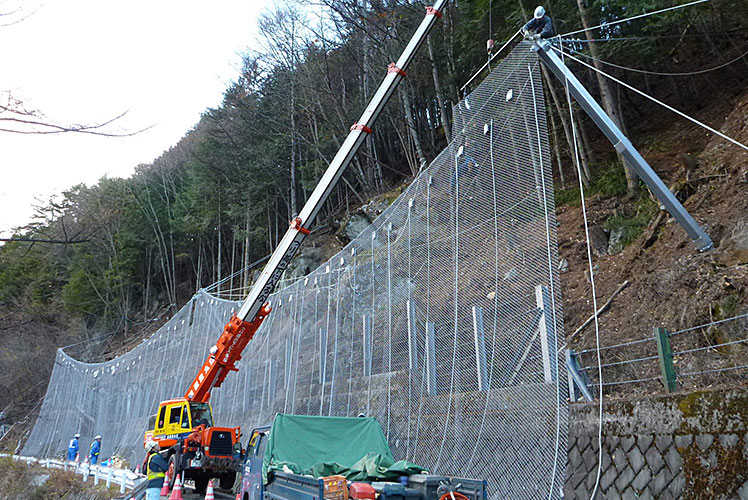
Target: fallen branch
(600, 311)
(651, 235)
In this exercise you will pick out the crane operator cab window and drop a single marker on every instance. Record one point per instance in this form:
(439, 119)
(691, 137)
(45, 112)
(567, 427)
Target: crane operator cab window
(161, 417)
(201, 414)
(175, 414)
(185, 417)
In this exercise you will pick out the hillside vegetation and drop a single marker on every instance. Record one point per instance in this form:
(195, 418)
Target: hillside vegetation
(138, 248)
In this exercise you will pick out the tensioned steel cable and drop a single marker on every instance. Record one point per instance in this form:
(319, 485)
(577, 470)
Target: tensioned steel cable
(593, 292)
(550, 281)
(660, 73)
(657, 101)
(640, 16)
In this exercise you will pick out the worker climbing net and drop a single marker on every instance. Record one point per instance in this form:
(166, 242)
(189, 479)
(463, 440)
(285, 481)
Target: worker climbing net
(442, 319)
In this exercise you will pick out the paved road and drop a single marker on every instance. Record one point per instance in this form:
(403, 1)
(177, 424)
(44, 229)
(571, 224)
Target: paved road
(189, 494)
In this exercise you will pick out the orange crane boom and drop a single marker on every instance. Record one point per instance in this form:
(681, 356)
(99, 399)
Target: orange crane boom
(245, 323)
(224, 355)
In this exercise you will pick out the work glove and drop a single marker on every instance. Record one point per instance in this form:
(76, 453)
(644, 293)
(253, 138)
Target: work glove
(525, 33)
(536, 37)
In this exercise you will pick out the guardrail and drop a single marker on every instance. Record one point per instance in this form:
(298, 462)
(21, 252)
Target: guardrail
(127, 479)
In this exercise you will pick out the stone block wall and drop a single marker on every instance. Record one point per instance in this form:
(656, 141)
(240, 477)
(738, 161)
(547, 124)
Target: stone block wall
(690, 446)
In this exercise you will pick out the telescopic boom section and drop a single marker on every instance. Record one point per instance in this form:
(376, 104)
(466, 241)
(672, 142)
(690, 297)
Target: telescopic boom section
(243, 325)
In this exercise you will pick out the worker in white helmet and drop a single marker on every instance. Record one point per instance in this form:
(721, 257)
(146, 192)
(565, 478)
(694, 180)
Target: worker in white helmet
(540, 26)
(95, 450)
(73, 447)
(155, 469)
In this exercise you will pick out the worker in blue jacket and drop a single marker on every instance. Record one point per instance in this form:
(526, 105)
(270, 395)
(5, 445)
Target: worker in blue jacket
(95, 450)
(540, 26)
(73, 447)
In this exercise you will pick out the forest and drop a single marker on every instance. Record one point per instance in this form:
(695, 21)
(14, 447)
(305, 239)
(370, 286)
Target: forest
(111, 259)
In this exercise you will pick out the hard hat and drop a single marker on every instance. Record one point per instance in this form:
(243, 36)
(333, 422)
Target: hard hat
(98, 436)
(539, 12)
(77, 435)
(152, 445)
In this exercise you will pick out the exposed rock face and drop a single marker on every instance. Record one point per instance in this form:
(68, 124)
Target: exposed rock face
(306, 261)
(615, 242)
(352, 226)
(598, 241)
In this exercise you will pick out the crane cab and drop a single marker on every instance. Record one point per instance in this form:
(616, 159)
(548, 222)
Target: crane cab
(176, 419)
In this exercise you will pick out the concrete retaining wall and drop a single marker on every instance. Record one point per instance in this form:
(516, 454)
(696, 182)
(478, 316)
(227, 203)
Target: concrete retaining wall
(690, 446)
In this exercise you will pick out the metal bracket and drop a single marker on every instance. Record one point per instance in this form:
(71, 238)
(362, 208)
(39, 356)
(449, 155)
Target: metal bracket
(430, 11)
(578, 380)
(296, 224)
(392, 68)
(362, 127)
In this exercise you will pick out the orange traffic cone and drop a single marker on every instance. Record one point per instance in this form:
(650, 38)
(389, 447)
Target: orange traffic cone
(176, 493)
(209, 492)
(238, 496)
(165, 487)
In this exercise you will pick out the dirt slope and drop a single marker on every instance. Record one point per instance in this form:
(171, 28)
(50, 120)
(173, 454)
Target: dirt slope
(672, 285)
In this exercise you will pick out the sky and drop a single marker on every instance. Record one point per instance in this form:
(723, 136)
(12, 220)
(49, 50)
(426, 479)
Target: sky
(163, 62)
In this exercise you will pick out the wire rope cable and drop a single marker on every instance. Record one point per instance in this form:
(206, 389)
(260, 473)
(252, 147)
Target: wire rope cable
(655, 100)
(661, 73)
(640, 16)
(593, 291)
(550, 277)
(711, 323)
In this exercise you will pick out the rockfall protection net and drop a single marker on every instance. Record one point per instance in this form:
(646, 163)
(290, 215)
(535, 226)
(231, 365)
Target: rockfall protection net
(441, 319)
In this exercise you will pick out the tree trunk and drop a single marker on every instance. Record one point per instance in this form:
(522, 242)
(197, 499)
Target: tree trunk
(413, 131)
(565, 123)
(220, 248)
(608, 98)
(557, 148)
(247, 248)
(438, 89)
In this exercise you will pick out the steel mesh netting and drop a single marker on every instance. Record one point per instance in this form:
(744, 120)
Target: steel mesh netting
(434, 320)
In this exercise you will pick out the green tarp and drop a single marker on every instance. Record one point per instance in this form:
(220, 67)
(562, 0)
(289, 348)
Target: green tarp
(354, 447)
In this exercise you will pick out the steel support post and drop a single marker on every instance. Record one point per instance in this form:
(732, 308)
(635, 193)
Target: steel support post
(665, 354)
(622, 145)
(412, 337)
(322, 355)
(577, 378)
(367, 345)
(271, 380)
(547, 330)
(479, 335)
(430, 359)
(287, 366)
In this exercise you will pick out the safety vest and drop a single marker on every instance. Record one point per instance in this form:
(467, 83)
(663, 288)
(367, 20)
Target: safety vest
(153, 475)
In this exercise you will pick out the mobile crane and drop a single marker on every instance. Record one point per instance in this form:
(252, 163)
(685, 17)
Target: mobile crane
(183, 427)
